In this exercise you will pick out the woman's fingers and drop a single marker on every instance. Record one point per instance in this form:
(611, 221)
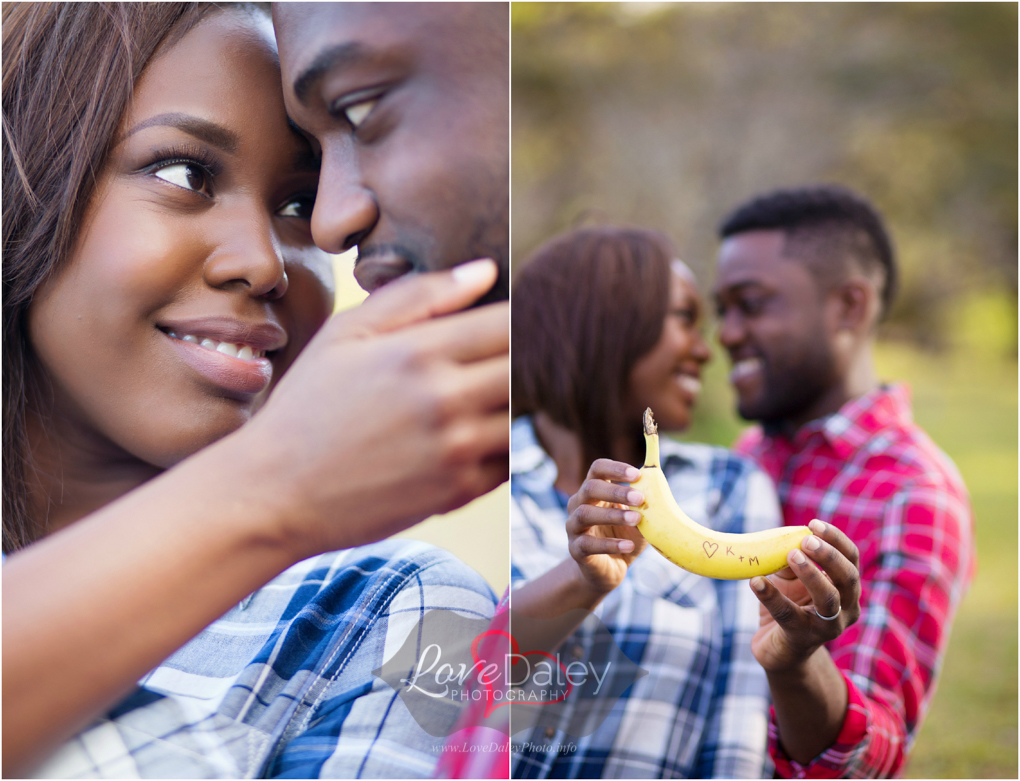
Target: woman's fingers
(586, 516)
(416, 298)
(598, 488)
(590, 545)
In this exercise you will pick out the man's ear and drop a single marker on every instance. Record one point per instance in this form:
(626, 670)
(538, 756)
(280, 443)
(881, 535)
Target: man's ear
(857, 305)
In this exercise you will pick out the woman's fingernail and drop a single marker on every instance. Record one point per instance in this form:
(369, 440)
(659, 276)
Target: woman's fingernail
(798, 557)
(474, 272)
(632, 517)
(635, 498)
(758, 584)
(625, 546)
(810, 543)
(817, 526)
(632, 474)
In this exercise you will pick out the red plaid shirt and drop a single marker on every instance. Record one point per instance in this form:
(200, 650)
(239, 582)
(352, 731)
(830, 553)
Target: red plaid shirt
(876, 476)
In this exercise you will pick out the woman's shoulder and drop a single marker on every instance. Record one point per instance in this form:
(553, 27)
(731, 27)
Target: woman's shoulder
(378, 572)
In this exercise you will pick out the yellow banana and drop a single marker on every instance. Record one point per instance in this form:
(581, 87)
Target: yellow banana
(698, 549)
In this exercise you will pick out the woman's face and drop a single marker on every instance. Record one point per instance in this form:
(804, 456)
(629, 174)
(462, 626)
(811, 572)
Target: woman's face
(668, 378)
(194, 282)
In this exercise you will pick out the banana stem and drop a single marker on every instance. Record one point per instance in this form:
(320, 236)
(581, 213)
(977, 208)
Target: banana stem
(651, 441)
(649, 421)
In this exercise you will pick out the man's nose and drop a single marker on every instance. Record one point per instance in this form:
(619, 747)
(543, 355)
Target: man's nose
(345, 210)
(731, 329)
(248, 255)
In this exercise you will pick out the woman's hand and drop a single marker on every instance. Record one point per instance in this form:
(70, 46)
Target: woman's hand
(794, 603)
(396, 410)
(603, 533)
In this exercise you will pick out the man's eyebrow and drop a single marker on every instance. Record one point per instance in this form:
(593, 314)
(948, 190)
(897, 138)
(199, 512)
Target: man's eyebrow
(342, 55)
(202, 129)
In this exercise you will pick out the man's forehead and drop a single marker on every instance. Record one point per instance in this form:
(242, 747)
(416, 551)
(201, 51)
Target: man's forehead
(305, 29)
(753, 258)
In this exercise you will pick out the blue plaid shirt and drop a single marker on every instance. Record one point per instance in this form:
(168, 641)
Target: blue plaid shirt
(702, 711)
(282, 685)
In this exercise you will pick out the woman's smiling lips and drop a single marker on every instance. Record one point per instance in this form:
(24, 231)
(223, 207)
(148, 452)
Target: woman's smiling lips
(228, 353)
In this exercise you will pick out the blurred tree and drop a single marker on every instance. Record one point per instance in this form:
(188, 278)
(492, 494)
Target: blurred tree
(667, 115)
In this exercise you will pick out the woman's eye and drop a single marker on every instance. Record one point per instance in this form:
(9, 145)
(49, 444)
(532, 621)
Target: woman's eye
(356, 112)
(687, 316)
(186, 175)
(298, 207)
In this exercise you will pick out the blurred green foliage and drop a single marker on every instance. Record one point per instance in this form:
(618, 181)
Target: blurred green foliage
(668, 115)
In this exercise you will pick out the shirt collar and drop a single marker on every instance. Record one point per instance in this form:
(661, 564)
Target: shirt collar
(860, 419)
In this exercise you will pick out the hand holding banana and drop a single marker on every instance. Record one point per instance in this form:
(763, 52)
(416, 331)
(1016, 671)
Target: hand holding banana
(694, 547)
(601, 526)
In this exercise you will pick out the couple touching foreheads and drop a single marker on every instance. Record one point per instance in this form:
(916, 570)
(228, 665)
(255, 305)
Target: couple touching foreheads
(202, 464)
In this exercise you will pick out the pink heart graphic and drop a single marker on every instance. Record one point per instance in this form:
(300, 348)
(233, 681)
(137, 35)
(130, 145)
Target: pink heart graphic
(713, 545)
(489, 689)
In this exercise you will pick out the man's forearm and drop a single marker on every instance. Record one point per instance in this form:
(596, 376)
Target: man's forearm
(810, 704)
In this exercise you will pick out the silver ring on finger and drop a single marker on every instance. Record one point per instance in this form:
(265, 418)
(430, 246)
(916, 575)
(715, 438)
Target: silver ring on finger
(829, 618)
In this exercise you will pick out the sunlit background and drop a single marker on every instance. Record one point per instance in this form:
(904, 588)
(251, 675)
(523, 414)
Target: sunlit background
(668, 115)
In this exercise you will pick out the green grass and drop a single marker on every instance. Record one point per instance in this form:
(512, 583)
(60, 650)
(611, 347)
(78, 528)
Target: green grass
(966, 400)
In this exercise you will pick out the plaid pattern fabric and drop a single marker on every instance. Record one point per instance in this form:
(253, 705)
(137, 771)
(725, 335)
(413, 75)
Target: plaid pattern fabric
(876, 476)
(282, 685)
(702, 709)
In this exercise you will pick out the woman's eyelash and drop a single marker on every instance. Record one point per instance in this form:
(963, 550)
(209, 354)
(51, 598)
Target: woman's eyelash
(193, 155)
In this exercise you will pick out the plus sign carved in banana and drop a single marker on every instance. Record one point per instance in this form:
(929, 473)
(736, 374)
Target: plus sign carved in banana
(698, 549)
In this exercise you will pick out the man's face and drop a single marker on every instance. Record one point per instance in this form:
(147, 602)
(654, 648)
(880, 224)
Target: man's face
(408, 105)
(772, 322)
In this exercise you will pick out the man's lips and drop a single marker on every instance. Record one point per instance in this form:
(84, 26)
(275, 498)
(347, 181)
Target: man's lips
(745, 369)
(375, 269)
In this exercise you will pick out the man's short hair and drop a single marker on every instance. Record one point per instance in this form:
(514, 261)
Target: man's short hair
(829, 227)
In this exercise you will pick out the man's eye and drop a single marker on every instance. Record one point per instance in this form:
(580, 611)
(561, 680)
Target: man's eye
(752, 306)
(298, 207)
(356, 112)
(188, 176)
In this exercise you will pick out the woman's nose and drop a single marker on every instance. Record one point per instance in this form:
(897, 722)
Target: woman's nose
(346, 210)
(248, 256)
(700, 349)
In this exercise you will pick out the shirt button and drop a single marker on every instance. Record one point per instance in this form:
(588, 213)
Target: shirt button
(577, 651)
(550, 732)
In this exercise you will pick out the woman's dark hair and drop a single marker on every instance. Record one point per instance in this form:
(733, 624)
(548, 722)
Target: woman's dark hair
(68, 74)
(586, 306)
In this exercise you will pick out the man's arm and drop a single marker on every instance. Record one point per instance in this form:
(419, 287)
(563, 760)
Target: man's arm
(391, 410)
(887, 660)
(808, 693)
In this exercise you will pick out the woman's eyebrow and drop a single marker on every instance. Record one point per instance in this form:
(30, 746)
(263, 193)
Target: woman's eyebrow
(202, 129)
